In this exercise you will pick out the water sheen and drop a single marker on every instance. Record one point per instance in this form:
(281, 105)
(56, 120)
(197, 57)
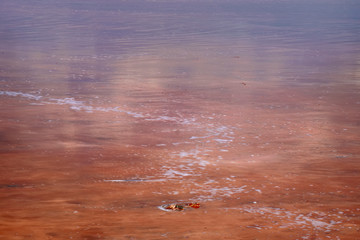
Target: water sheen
(112, 109)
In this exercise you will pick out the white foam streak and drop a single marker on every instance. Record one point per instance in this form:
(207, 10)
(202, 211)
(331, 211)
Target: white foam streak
(174, 173)
(25, 95)
(294, 217)
(72, 103)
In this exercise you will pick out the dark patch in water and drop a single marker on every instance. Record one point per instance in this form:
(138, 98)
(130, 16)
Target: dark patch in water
(11, 186)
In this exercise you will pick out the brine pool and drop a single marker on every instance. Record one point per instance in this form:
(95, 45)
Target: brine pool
(111, 110)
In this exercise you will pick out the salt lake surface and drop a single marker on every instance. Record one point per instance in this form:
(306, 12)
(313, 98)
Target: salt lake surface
(111, 109)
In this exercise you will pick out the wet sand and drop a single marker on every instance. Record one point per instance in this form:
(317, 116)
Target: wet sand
(99, 131)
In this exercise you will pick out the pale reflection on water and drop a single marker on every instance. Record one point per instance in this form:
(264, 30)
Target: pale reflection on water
(112, 109)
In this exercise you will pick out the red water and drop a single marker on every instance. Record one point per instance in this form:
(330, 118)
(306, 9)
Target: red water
(275, 163)
(265, 138)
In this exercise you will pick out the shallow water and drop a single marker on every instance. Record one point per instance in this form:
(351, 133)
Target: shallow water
(111, 110)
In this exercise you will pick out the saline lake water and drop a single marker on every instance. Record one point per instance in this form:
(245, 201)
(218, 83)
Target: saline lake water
(112, 109)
